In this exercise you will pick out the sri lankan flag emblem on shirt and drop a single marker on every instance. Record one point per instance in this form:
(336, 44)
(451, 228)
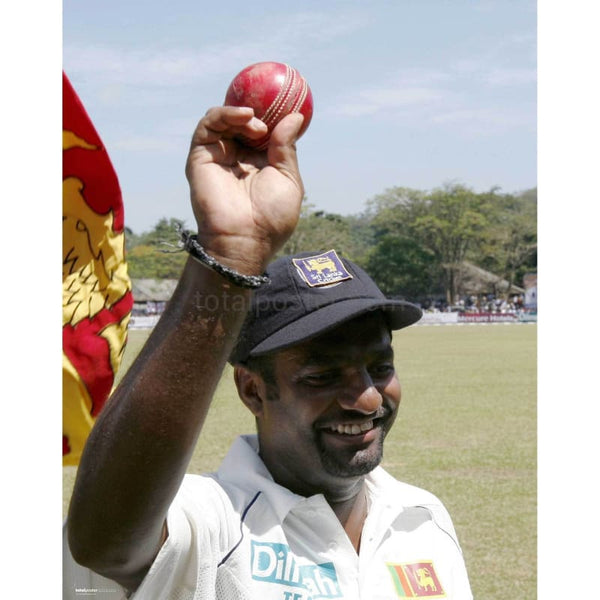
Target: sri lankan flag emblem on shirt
(416, 580)
(97, 298)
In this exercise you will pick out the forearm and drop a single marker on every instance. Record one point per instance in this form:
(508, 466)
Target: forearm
(138, 451)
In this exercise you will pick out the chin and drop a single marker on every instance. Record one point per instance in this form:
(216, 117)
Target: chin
(352, 464)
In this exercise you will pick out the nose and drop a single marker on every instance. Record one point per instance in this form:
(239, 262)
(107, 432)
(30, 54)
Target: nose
(360, 394)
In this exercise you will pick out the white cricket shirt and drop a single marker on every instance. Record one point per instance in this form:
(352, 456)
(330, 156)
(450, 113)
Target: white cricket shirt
(236, 534)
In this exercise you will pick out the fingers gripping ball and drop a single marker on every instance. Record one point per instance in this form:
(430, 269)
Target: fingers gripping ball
(273, 90)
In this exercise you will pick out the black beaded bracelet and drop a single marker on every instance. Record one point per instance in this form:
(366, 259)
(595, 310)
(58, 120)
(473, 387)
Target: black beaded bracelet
(191, 245)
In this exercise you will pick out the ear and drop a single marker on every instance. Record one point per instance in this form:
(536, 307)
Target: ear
(251, 389)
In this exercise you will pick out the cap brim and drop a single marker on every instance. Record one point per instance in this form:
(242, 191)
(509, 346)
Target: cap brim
(398, 314)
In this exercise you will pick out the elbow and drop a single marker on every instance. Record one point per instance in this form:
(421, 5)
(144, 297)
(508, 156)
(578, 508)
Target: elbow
(92, 541)
(104, 561)
(92, 552)
(112, 558)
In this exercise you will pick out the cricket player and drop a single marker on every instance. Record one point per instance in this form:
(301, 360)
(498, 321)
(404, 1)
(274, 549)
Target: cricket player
(301, 509)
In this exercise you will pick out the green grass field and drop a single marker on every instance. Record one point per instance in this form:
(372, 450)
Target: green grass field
(466, 432)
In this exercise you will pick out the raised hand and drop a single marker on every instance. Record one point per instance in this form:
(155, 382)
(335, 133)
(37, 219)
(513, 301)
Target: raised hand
(246, 202)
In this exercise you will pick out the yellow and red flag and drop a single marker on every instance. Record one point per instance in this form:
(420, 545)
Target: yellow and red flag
(97, 298)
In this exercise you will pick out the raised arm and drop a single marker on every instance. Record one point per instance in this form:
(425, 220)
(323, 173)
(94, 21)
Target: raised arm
(246, 204)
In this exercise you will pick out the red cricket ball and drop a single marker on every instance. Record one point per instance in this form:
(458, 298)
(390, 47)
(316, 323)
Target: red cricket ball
(273, 90)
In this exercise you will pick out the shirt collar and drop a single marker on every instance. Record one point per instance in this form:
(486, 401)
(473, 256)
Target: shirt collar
(243, 466)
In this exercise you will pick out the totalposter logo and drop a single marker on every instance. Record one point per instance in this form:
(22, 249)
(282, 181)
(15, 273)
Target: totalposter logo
(274, 563)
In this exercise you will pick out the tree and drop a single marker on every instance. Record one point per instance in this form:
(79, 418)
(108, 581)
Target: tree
(511, 248)
(319, 231)
(440, 227)
(148, 262)
(451, 222)
(154, 254)
(166, 231)
(400, 265)
(412, 242)
(403, 268)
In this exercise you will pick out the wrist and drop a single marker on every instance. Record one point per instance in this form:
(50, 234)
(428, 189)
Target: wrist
(228, 269)
(245, 255)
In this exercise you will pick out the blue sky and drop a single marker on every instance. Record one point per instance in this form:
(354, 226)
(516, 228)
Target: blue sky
(409, 93)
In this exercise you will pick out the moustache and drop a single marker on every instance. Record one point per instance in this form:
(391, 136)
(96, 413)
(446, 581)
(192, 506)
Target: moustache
(352, 417)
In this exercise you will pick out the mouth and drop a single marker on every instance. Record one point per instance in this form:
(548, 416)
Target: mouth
(351, 429)
(355, 433)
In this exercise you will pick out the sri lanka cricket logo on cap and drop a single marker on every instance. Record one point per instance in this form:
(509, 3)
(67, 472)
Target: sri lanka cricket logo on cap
(322, 269)
(416, 580)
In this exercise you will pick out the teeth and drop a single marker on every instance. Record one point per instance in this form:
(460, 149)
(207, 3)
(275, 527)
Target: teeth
(352, 429)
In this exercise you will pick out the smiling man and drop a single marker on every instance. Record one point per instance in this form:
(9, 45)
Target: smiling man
(300, 510)
(319, 376)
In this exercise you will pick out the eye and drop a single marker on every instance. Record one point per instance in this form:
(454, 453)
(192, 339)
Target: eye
(382, 369)
(320, 378)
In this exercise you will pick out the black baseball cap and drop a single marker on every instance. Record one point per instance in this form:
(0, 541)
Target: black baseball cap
(309, 294)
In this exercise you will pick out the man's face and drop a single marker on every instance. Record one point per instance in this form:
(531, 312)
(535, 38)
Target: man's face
(338, 396)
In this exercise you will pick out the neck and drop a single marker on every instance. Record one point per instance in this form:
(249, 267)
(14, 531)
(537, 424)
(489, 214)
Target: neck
(352, 513)
(336, 489)
(346, 495)
(349, 503)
